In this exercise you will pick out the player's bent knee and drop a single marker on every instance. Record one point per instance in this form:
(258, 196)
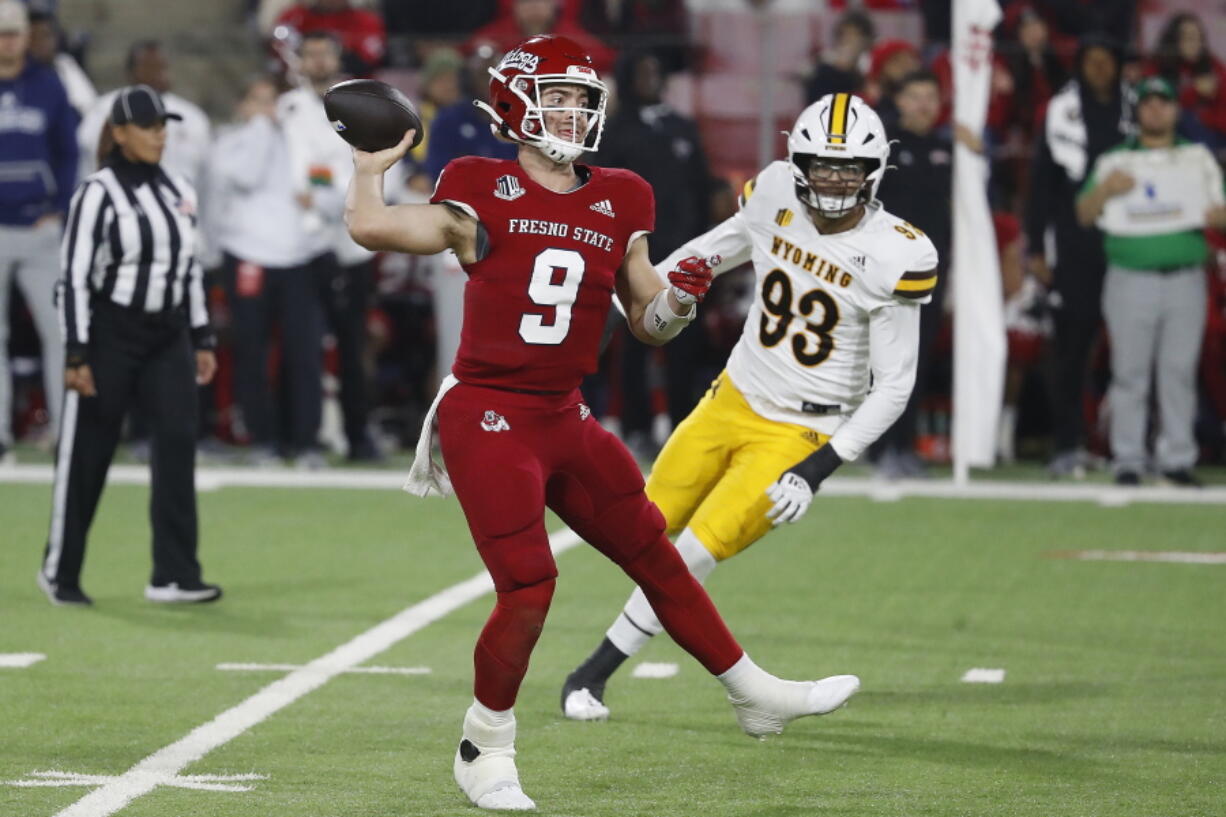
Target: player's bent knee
(530, 603)
(516, 562)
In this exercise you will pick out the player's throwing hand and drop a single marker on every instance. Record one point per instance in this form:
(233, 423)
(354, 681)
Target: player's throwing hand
(379, 161)
(692, 278)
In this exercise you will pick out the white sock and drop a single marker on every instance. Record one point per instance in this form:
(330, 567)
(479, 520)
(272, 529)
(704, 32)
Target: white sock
(637, 623)
(489, 728)
(746, 681)
(744, 676)
(765, 704)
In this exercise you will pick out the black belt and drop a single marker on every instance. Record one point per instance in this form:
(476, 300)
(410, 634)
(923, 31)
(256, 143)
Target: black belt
(820, 409)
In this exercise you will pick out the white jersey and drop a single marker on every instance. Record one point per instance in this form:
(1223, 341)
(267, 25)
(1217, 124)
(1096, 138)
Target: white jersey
(832, 314)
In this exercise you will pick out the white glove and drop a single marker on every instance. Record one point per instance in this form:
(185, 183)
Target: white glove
(791, 495)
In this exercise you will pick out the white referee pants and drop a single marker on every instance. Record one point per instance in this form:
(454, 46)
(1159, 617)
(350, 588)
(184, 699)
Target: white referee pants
(31, 255)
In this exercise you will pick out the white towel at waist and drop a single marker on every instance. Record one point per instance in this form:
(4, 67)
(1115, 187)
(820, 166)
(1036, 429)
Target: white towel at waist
(427, 477)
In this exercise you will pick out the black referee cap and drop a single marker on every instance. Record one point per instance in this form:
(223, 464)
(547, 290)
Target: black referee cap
(139, 105)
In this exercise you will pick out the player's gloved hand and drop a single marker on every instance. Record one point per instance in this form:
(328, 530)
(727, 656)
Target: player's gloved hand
(791, 494)
(692, 278)
(794, 490)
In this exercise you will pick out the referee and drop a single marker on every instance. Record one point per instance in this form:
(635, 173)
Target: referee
(132, 307)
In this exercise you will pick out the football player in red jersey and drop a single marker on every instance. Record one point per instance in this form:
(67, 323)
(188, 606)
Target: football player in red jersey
(546, 243)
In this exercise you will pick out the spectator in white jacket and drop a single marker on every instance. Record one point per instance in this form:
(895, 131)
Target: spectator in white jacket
(187, 139)
(276, 244)
(322, 164)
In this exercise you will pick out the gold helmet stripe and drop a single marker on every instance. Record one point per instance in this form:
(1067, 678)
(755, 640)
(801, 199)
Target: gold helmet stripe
(838, 118)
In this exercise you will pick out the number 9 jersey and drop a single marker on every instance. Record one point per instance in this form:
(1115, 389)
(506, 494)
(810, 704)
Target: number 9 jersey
(804, 354)
(537, 297)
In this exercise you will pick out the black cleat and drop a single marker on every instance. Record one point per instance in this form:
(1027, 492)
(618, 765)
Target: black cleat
(196, 592)
(583, 692)
(583, 700)
(1128, 479)
(1181, 478)
(63, 595)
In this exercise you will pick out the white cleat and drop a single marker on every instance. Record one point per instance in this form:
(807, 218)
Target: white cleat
(768, 714)
(582, 705)
(489, 778)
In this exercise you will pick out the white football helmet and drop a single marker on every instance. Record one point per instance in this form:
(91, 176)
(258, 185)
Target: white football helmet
(838, 127)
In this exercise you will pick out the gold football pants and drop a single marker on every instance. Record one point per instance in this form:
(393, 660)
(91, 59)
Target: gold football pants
(714, 470)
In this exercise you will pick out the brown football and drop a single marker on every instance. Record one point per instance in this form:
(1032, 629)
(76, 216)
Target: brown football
(371, 115)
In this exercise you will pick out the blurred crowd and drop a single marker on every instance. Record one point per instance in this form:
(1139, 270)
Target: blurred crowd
(328, 349)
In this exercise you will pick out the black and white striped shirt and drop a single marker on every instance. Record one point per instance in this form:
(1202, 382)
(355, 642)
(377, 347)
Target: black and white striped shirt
(131, 239)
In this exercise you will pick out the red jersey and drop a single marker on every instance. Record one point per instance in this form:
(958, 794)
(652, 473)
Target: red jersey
(535, 304)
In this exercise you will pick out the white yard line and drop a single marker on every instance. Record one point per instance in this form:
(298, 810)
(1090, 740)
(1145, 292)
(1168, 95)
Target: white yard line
(165, 764)
(1173, 557)
(651, 669)
(982, 675)
(1103, 494)
(20, 660)
(293, 667)
(199, 782)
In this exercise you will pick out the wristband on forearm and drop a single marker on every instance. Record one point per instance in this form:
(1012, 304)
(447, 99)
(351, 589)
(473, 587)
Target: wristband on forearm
(818, 465)
(661, 322)
(74, 356)
(203, 337)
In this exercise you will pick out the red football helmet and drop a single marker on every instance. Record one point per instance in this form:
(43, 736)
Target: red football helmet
(515, 96)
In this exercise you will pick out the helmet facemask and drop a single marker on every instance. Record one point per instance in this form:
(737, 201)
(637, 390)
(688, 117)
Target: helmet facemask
(833, 187)
(585, 120)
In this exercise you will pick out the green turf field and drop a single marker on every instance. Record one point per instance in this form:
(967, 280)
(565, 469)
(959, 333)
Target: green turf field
(1114, 700)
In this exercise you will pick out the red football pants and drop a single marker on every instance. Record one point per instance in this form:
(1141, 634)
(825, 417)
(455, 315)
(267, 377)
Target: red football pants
(510, 456)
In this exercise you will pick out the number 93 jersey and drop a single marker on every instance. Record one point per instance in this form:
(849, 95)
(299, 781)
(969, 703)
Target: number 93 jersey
(536, 300)
(803, 356)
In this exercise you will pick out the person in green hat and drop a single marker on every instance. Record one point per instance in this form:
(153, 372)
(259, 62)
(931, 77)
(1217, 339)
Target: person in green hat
(1153, 196)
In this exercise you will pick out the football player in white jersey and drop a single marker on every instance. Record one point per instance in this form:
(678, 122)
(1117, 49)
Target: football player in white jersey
(825, 364)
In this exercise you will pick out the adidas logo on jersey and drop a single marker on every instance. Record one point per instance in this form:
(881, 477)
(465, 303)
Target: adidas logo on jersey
(493, 421)
(508, 188)
(584, 412)
(604, 207)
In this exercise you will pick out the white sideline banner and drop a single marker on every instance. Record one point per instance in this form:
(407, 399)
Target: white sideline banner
(979, 321)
